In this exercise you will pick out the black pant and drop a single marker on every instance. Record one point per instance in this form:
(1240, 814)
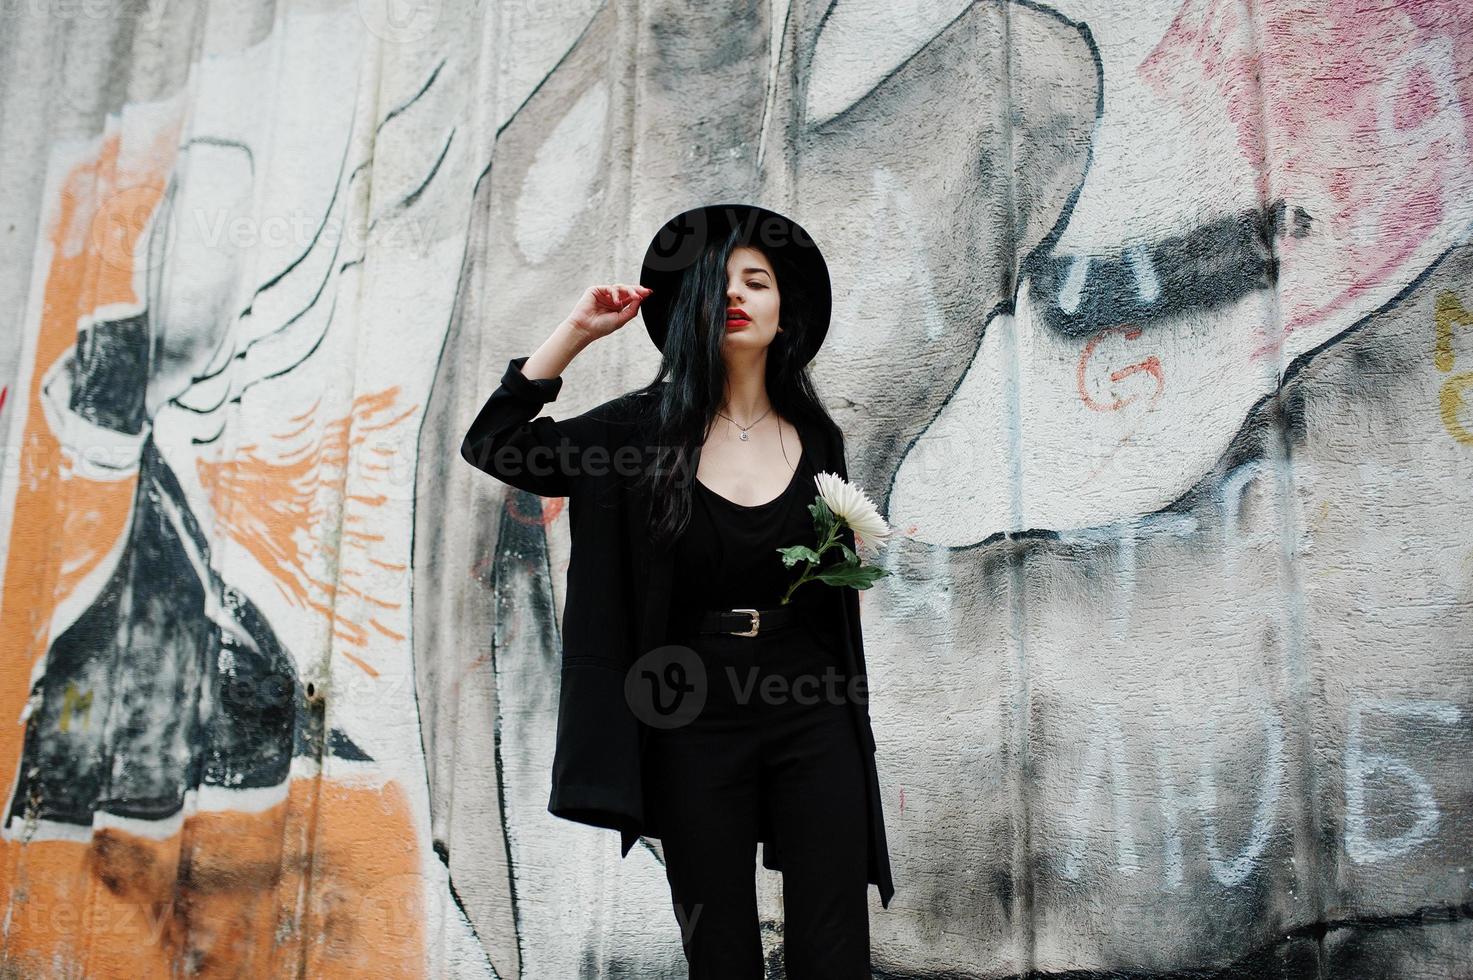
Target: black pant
(710, 782)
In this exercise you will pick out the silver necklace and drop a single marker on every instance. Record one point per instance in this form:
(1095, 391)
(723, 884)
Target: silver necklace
(738, 424)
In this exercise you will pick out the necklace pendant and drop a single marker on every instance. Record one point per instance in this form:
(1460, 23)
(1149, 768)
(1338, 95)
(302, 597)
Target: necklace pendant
(744, 435)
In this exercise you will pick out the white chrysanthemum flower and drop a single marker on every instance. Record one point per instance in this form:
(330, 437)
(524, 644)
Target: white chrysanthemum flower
(851, 506)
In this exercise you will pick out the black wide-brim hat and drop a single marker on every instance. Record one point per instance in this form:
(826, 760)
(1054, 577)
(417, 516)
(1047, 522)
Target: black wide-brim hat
(679, 243)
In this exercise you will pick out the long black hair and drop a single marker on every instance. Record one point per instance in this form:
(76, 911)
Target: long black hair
(681, 413)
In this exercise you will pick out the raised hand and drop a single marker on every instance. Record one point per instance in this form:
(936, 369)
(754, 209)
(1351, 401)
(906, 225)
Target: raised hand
(605, 308)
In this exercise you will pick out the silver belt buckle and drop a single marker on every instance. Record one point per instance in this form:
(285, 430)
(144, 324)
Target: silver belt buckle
(756, 620)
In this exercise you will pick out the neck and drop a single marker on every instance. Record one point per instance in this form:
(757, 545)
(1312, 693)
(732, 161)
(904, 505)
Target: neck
(746, 393)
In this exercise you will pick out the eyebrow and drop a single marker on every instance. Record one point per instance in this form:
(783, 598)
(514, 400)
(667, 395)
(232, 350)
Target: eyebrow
(753, 269)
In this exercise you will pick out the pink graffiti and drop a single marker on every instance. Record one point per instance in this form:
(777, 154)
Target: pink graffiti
(1358, 113)
(551, 508)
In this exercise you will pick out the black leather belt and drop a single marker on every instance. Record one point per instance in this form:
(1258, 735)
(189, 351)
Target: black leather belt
(752, 622)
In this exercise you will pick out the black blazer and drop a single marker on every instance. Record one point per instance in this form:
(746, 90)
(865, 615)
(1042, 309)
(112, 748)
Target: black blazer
(618, 597)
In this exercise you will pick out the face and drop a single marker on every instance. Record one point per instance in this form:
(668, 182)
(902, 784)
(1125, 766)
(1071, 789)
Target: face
(751, 287)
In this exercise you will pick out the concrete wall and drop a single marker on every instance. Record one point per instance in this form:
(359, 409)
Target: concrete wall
(1153, 333)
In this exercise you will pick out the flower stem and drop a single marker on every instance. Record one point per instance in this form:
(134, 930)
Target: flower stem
(828, 542)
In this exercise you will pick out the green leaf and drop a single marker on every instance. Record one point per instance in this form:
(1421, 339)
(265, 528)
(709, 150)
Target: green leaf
(796, 553)
(851, 574)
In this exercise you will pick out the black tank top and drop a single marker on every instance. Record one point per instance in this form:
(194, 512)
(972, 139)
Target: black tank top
(727, 556)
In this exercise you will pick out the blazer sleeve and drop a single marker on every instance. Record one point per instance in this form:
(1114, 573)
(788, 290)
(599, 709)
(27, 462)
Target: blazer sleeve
(537, 454)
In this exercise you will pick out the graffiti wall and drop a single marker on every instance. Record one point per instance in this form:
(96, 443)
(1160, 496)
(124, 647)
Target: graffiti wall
(1152, 333)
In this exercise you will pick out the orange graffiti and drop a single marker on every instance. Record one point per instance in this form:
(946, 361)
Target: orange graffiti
(329, 880)
(305, 887)
(270, 500)
(1151, 365)
(85, 517)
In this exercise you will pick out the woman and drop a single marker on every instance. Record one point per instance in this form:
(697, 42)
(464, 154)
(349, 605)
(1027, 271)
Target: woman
(728, 436)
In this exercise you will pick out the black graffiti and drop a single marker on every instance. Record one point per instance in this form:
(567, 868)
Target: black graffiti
(1210, 267)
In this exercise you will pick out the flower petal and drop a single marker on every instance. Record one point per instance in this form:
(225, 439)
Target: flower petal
(850, 504)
